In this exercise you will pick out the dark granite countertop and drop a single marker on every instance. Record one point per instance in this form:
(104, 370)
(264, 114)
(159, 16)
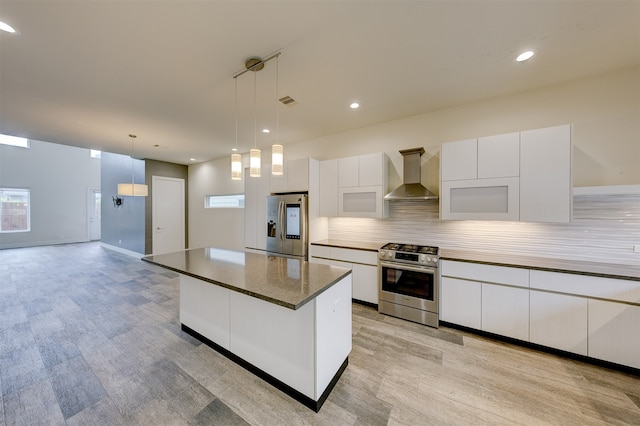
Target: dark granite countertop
(287, 282)
(605, 270)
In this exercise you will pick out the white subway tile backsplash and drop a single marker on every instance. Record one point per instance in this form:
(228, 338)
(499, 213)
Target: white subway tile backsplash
(605, 228)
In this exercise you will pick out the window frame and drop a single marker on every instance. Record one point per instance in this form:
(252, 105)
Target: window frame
(28, 194)
(224, 201)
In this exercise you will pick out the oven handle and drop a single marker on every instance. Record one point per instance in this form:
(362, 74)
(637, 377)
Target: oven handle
(407, 268)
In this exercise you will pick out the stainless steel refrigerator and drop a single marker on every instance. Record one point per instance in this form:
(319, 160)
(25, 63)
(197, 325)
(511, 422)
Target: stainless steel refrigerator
(287, 224)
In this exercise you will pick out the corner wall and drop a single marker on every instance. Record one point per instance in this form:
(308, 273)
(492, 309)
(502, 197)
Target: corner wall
(58, 177)
(124, 226)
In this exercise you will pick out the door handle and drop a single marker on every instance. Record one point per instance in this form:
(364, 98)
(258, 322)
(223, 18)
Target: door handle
(158, 228)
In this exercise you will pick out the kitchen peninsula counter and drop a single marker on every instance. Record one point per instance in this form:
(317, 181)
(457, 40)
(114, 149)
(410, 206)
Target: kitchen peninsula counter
(284, 319)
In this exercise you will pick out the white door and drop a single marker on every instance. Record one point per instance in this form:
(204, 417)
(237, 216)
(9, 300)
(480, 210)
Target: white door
(94, 206)
(167, 214)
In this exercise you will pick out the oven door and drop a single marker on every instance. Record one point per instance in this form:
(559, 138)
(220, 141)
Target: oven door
(413, 286)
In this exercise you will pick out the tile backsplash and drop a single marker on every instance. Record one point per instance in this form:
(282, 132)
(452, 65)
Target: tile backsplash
(605, 228)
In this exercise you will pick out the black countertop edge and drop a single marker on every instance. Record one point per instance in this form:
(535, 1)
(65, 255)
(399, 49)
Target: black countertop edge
(251, 293)
(374, 247)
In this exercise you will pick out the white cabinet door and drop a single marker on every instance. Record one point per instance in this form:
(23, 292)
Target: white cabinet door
(459, 160)
(505, 311)
(558, 321)
(545, 175)
(298, 175)
(614, 332)
(365, 283)
(328, 188)
(461, 302)
(371, 169)
(348, 172)
(362, 201)
(499, 156)
(294, 179)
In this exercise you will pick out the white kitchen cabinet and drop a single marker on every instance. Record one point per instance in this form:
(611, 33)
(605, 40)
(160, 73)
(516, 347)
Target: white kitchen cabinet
(499, 156)
(357, 189)
(295, 177)
(558, 321)
(256, 190)
(328, 193)
(363, 265)
(479, 178)
(459, 160)
(545, 175)
(461, 302)
(614, 332)
(505, 311)
(523, 176)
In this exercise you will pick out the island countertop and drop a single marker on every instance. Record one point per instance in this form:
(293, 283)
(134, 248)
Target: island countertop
(287, 282)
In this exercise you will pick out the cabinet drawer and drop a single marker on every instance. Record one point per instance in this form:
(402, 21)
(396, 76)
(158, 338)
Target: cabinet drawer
(585, 285)
(357, 256)
(319, 251)
(486, 273)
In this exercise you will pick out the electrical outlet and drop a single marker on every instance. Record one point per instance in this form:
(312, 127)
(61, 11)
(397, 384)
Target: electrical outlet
(119, 241)
(636, 248)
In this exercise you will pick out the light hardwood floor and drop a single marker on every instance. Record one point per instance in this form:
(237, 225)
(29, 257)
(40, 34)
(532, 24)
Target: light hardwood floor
(89, 336)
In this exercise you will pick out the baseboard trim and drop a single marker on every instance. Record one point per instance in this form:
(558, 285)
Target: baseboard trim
(281, 386)
(586, 359)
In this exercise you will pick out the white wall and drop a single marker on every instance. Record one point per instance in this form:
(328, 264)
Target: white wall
(604, 111)
(214, 227)
(59, 178)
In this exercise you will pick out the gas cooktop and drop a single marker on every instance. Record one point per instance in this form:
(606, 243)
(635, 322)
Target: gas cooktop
(411, 248)
(409, 253)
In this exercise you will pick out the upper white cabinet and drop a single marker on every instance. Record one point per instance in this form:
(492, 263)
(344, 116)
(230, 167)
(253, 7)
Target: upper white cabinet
(522, 176)
(545, 175)
(328, 188)
(354, 186)
(294, 179)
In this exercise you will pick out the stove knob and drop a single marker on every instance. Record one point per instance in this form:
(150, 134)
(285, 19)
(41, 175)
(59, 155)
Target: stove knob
(423, 258)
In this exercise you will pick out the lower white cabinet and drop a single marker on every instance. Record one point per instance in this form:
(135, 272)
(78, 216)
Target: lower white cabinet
(614, 332)
(505, 311)
(363, 265)
(593, 316)
(461, 302)
(558, 321)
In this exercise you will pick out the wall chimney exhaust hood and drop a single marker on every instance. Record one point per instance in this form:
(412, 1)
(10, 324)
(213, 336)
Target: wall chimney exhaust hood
(411, 188)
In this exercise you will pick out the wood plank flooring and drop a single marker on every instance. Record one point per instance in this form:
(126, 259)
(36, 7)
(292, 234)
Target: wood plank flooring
(89, 336)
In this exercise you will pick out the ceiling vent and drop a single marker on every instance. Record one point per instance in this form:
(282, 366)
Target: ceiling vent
(287, 100)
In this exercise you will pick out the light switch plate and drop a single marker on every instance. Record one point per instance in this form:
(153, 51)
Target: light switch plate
(636, 248)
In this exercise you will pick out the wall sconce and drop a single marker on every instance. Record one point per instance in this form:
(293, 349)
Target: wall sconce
(117, 201)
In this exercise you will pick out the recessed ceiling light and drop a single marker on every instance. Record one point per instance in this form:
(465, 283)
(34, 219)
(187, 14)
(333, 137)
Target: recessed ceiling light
(354, 105)
(192, 159)
(266, 131)
(234, 149)
(6, 27)
(525, 55)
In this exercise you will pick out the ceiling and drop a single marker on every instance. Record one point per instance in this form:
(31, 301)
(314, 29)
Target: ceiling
(88, 73)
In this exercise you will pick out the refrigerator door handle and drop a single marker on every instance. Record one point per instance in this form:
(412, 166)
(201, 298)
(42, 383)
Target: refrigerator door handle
(281, 220)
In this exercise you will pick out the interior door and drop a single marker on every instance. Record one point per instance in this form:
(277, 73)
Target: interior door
(167, 215)
(94, 207)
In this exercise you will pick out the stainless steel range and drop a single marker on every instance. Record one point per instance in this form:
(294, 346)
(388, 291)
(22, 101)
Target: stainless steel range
(408, 282)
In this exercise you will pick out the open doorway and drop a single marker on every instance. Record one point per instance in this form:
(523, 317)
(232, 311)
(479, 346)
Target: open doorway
(94, 208)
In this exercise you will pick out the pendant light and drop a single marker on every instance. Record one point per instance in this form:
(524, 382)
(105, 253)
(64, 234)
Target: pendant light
(236, 159)
(132, 189)
(277, 150)
(254, 153)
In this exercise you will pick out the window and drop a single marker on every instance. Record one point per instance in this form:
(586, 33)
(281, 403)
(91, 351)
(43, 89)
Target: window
(233, 201)
(14, 210)
(95, 153)
(14, 141)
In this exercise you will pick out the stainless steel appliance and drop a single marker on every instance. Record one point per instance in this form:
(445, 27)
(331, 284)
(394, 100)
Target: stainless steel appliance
(287, 224)
(408, 282)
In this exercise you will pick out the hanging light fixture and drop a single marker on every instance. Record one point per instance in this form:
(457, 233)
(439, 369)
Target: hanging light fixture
(277, 150)
(255, 65)
(254, 153)
(133, 189)
(236, 159)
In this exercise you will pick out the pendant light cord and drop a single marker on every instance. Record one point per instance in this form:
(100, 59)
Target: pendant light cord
(255, 114)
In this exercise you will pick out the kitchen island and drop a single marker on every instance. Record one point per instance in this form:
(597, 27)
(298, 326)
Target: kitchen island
(284, 319)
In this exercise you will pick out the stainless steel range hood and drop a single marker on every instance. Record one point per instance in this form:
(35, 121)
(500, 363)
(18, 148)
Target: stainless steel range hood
(411, 188)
